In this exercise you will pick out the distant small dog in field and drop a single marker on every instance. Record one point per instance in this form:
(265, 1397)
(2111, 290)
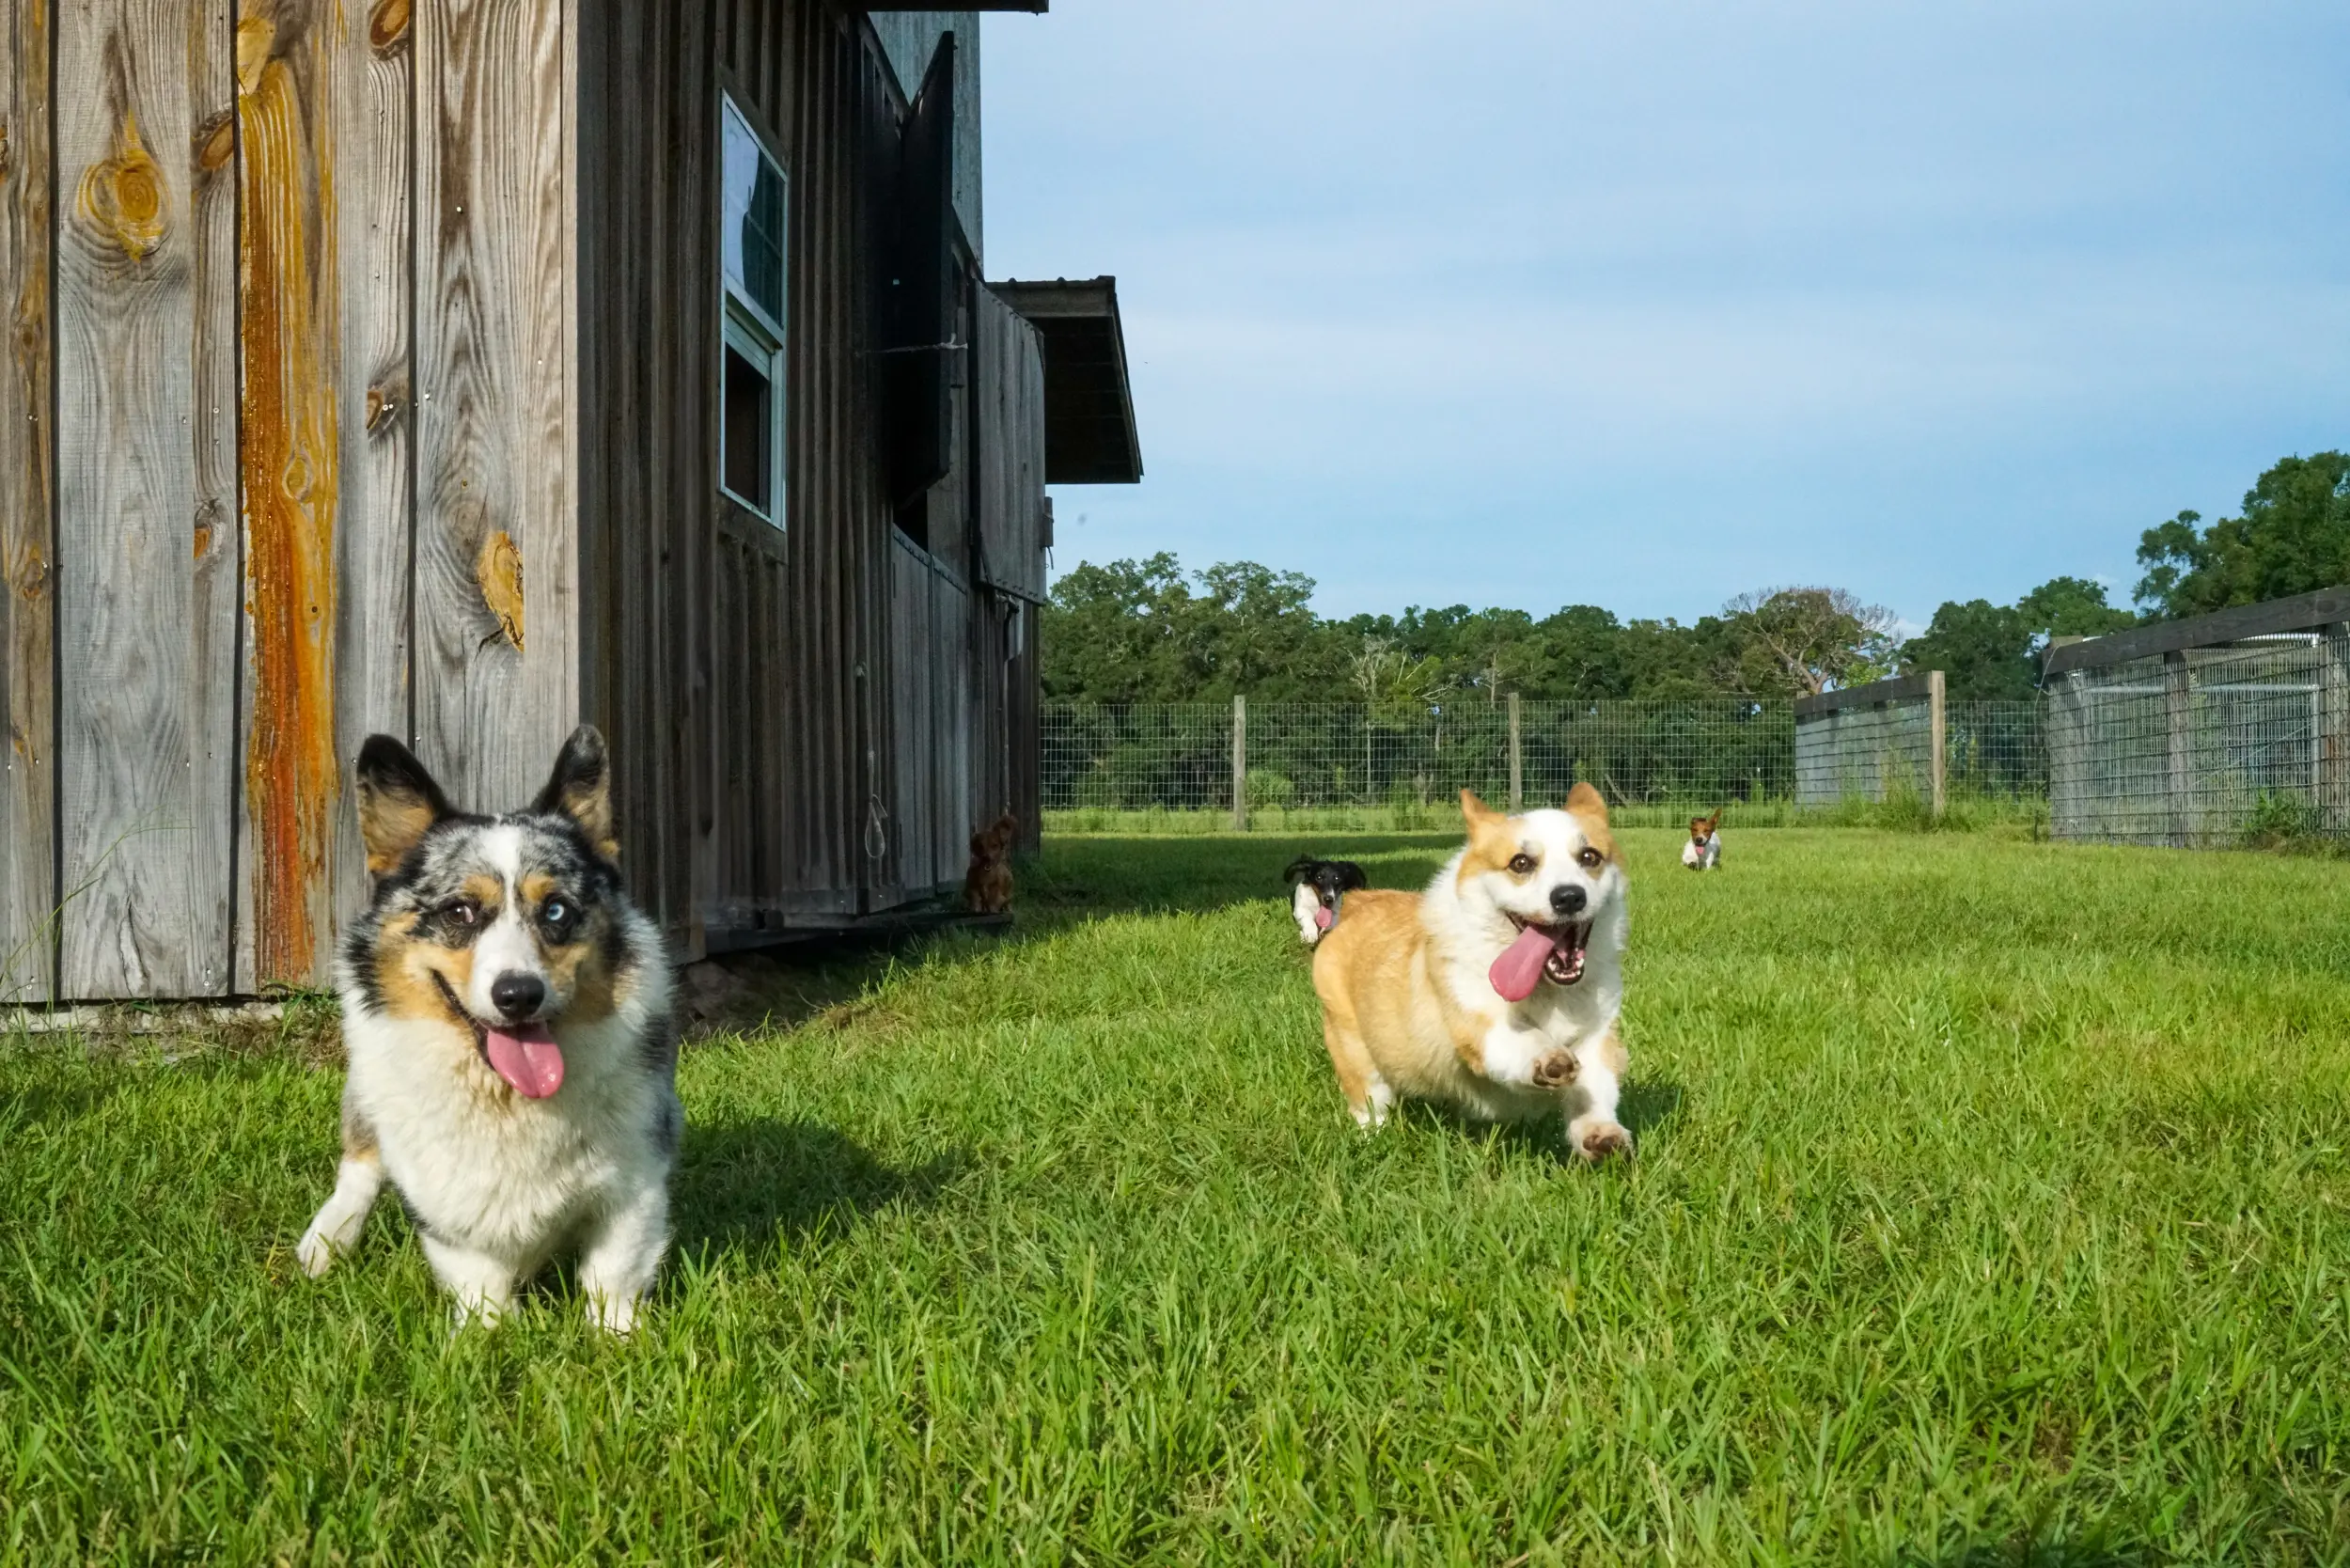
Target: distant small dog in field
(1320, 884)
(987, 887)
(1499, 987)
(513, 1061)
(1704, 852)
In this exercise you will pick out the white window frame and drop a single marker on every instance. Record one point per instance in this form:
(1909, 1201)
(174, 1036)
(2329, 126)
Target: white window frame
(750, 330)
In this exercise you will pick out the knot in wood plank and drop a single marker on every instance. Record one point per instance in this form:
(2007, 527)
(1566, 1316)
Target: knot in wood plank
(388, 26)
(499, 571)
(216, 143)
(123, 195)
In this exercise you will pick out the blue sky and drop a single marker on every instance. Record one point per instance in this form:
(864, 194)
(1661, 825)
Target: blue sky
(1539, 302)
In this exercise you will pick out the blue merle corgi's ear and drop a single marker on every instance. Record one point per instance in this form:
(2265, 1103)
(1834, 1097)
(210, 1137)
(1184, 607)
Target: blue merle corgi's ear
(1350, 875)
(581, 789)
(1301, 870)
(398, 803)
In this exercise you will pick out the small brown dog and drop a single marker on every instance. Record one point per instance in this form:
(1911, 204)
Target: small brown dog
(1704, 852)
(987, 891)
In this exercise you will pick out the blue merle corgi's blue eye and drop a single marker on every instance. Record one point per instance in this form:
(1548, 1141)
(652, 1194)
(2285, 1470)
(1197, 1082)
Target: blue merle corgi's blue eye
(556, 913)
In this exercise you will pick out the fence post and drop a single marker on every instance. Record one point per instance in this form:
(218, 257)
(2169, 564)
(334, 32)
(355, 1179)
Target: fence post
(1240, 764)
(1517, 759)
(2333, 730)
(1937, 767)
(2176, 695)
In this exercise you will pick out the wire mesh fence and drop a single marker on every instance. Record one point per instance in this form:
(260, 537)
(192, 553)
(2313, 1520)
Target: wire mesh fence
(2205, 745)
(1104, 761)
(1172, 766)
(1996, 751)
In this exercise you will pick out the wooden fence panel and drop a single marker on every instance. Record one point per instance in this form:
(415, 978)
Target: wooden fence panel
(496, 661)
(143, 866)
(28, 891)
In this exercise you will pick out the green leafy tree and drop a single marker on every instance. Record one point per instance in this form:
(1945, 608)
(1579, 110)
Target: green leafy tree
(1992, 652)
(2292, 537)
(1984, 651)
(1801, 641)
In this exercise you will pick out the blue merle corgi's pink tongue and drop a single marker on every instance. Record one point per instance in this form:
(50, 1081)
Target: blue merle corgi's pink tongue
(526, 1057)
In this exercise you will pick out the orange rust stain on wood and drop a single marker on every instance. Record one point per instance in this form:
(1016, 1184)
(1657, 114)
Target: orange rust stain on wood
(288, 456)
(123, 195)
(388, 24)
(499, 571)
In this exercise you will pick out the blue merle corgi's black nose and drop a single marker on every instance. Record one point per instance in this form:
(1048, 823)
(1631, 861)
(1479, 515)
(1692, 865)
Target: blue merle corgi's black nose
(518, 995)
(1569, 898)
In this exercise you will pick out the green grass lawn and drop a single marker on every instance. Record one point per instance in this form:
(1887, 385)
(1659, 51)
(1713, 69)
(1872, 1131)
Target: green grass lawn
(1990, 1208)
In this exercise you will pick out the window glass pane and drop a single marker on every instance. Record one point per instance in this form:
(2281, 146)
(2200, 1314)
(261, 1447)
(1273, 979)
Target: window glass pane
(751, 235)
(745, 434)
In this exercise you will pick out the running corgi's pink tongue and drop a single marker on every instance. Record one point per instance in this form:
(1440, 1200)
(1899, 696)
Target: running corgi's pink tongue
(526, 1057)
(1519, 968)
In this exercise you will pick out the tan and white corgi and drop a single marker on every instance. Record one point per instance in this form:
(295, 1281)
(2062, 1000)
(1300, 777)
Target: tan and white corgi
(513, 1060)
(1704, 852)
(1499, 988)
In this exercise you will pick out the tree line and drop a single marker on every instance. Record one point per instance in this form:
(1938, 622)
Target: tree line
(1149, 631)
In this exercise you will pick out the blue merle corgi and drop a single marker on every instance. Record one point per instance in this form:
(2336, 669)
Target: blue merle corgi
(512, 1053)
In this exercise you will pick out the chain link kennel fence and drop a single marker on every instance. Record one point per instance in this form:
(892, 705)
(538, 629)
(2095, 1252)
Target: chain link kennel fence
(2205, 731)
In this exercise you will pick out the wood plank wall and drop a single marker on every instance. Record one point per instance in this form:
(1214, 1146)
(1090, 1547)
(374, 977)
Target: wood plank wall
(385, 393)
(498, 634)
(145, 803)
(27, 609)
(228, 495)
(741, 669)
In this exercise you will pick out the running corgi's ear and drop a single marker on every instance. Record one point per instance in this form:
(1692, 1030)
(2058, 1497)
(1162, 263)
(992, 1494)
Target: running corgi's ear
(1476, 810)
(1584, 801)
(398, 803)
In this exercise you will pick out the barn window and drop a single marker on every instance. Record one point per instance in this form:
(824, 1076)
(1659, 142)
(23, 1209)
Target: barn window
(750, 382)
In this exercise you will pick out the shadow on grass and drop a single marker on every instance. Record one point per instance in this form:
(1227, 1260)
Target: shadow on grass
(744, 1188)
(2088, 1553)
(1647, 1103)
(1644, 1105)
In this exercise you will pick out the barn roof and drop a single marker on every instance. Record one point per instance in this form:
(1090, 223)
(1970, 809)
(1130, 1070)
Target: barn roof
(1088, 405)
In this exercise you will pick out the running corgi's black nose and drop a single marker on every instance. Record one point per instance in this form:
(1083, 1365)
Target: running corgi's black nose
(518, 995)
(1568, 898)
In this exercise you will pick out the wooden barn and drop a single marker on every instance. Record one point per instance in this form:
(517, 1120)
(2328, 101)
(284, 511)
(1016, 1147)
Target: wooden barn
(467, 368)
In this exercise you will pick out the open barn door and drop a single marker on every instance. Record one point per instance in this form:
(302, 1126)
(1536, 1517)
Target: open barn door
(920, 292)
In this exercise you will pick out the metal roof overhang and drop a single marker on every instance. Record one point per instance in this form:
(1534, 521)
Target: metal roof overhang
(1088, 404)
(1036, 7)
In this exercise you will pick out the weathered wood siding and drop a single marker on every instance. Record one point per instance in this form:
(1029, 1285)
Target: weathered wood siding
(382, 337)
(27, 611)
(145, 803)
(1010, 387)
(497, 629)
(224, 509)
(742, 669)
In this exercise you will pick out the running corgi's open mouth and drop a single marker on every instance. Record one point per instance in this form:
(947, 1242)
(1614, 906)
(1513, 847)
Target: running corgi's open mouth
(1540, 952)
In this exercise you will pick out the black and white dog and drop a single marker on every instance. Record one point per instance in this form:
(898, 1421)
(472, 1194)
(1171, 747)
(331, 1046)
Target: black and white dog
(1320, 886)
(513, 1060)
